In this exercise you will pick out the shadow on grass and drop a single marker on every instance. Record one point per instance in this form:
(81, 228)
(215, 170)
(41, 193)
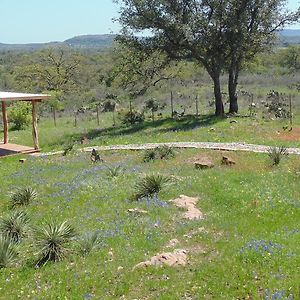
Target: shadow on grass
(163, 125)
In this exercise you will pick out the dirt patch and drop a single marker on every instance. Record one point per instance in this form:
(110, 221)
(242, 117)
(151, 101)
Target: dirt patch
(189, 203)
(171, 259)
(293, 135)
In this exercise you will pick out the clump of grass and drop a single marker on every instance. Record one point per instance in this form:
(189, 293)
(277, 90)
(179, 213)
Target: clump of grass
(15, 225)
(53, 241)
(149, 186)
(113, 172)
(8, 253)
(88, 243)
(161, 152)
(276, 154)
(23, 196)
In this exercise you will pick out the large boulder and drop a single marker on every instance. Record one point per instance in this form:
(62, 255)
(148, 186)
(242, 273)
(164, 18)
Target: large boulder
(204, 163)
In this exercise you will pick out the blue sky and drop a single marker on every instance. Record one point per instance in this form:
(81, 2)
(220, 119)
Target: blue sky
(24, 21)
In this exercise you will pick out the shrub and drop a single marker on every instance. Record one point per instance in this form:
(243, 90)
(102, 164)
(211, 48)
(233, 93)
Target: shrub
(8, 254)
(15, 225)
(53, 241)
(277, 105)
(20, 114)
(108, 106)
(88, 242)
(149, 186)
(23, 197)
(132, 117)
(276, 154)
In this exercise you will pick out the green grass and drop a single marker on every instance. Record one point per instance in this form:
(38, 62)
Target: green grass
(251, 228)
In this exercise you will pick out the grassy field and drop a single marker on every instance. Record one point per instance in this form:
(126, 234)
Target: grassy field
(247, 247)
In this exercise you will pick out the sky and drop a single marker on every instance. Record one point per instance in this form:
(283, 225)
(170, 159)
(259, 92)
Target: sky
(39, 21)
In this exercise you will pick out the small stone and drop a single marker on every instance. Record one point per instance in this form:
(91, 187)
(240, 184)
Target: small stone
(233, 121)
(120, 268)
(22, 160)
(227, 161)
(204, 163)
(84, 140)
(212, 129)
(137, 211)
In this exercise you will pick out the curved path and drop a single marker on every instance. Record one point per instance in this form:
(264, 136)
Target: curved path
(183, 145)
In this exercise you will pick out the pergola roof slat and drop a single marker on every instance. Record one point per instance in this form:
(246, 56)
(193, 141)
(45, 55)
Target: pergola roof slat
(8, 96)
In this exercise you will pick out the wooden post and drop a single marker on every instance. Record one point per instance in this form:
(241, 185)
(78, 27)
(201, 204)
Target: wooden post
(54, 116)
(291, 115)
(5, 122)
(34, 126)
(172, 106)
(98, 118)
(197, 106)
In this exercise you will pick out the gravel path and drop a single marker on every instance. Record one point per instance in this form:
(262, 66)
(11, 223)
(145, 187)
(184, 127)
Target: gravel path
(182, 145)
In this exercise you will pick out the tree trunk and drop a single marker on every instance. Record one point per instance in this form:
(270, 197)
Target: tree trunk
(218, 96)
(232, 85)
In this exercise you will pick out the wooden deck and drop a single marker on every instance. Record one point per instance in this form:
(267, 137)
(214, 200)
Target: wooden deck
(13, 149)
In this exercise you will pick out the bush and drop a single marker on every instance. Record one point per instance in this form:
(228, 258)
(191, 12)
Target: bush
(23, 197)
(14, 226)
(52, 241)
(277, 105)
(276, 154)
(68, 147)
(108, 106)
(149, 155)
(132, 117)
(88, 243)
(8, 253)
(149, 186)
(20, 114)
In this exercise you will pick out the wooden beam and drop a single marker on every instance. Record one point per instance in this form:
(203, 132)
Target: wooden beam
(5, 122)
(34, 126)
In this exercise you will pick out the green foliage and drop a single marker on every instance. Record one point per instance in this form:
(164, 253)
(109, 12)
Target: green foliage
(8, 254)
(132, 117)
(150, 186)
(20, 114)
(14, 225)
(68, 148)
(113, 172)
(53, 241)
(88, 243)
(290, 58)
(277, 104)
(162, 152)
(108, 106)
(276, 154)
(23, 196)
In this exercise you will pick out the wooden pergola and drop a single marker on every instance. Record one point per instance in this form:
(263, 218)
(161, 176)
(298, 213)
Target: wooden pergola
(5, 147)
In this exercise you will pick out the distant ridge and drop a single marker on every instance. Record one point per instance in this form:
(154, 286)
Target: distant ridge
(104, 41)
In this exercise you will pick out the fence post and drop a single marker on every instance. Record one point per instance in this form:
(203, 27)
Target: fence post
(98, 119)
(197, 106)
(172, 106)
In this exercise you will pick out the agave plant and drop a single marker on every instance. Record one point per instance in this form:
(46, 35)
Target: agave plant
(8, 254)
(88, 242)
(149, 186)
(23, 196)
(15, 225)
(276, 154)
(53, 241)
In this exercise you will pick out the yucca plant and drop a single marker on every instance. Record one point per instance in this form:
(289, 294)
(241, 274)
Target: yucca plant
(88, 242)
(113, 172)
(53, 241)
(276, 154)
(23, 196)
(165, 152)
(149, 186)
(149, 155)
(8, 253)
(15, 225)
(68, 147)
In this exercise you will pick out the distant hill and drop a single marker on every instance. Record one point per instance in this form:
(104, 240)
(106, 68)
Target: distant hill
(102, 41)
